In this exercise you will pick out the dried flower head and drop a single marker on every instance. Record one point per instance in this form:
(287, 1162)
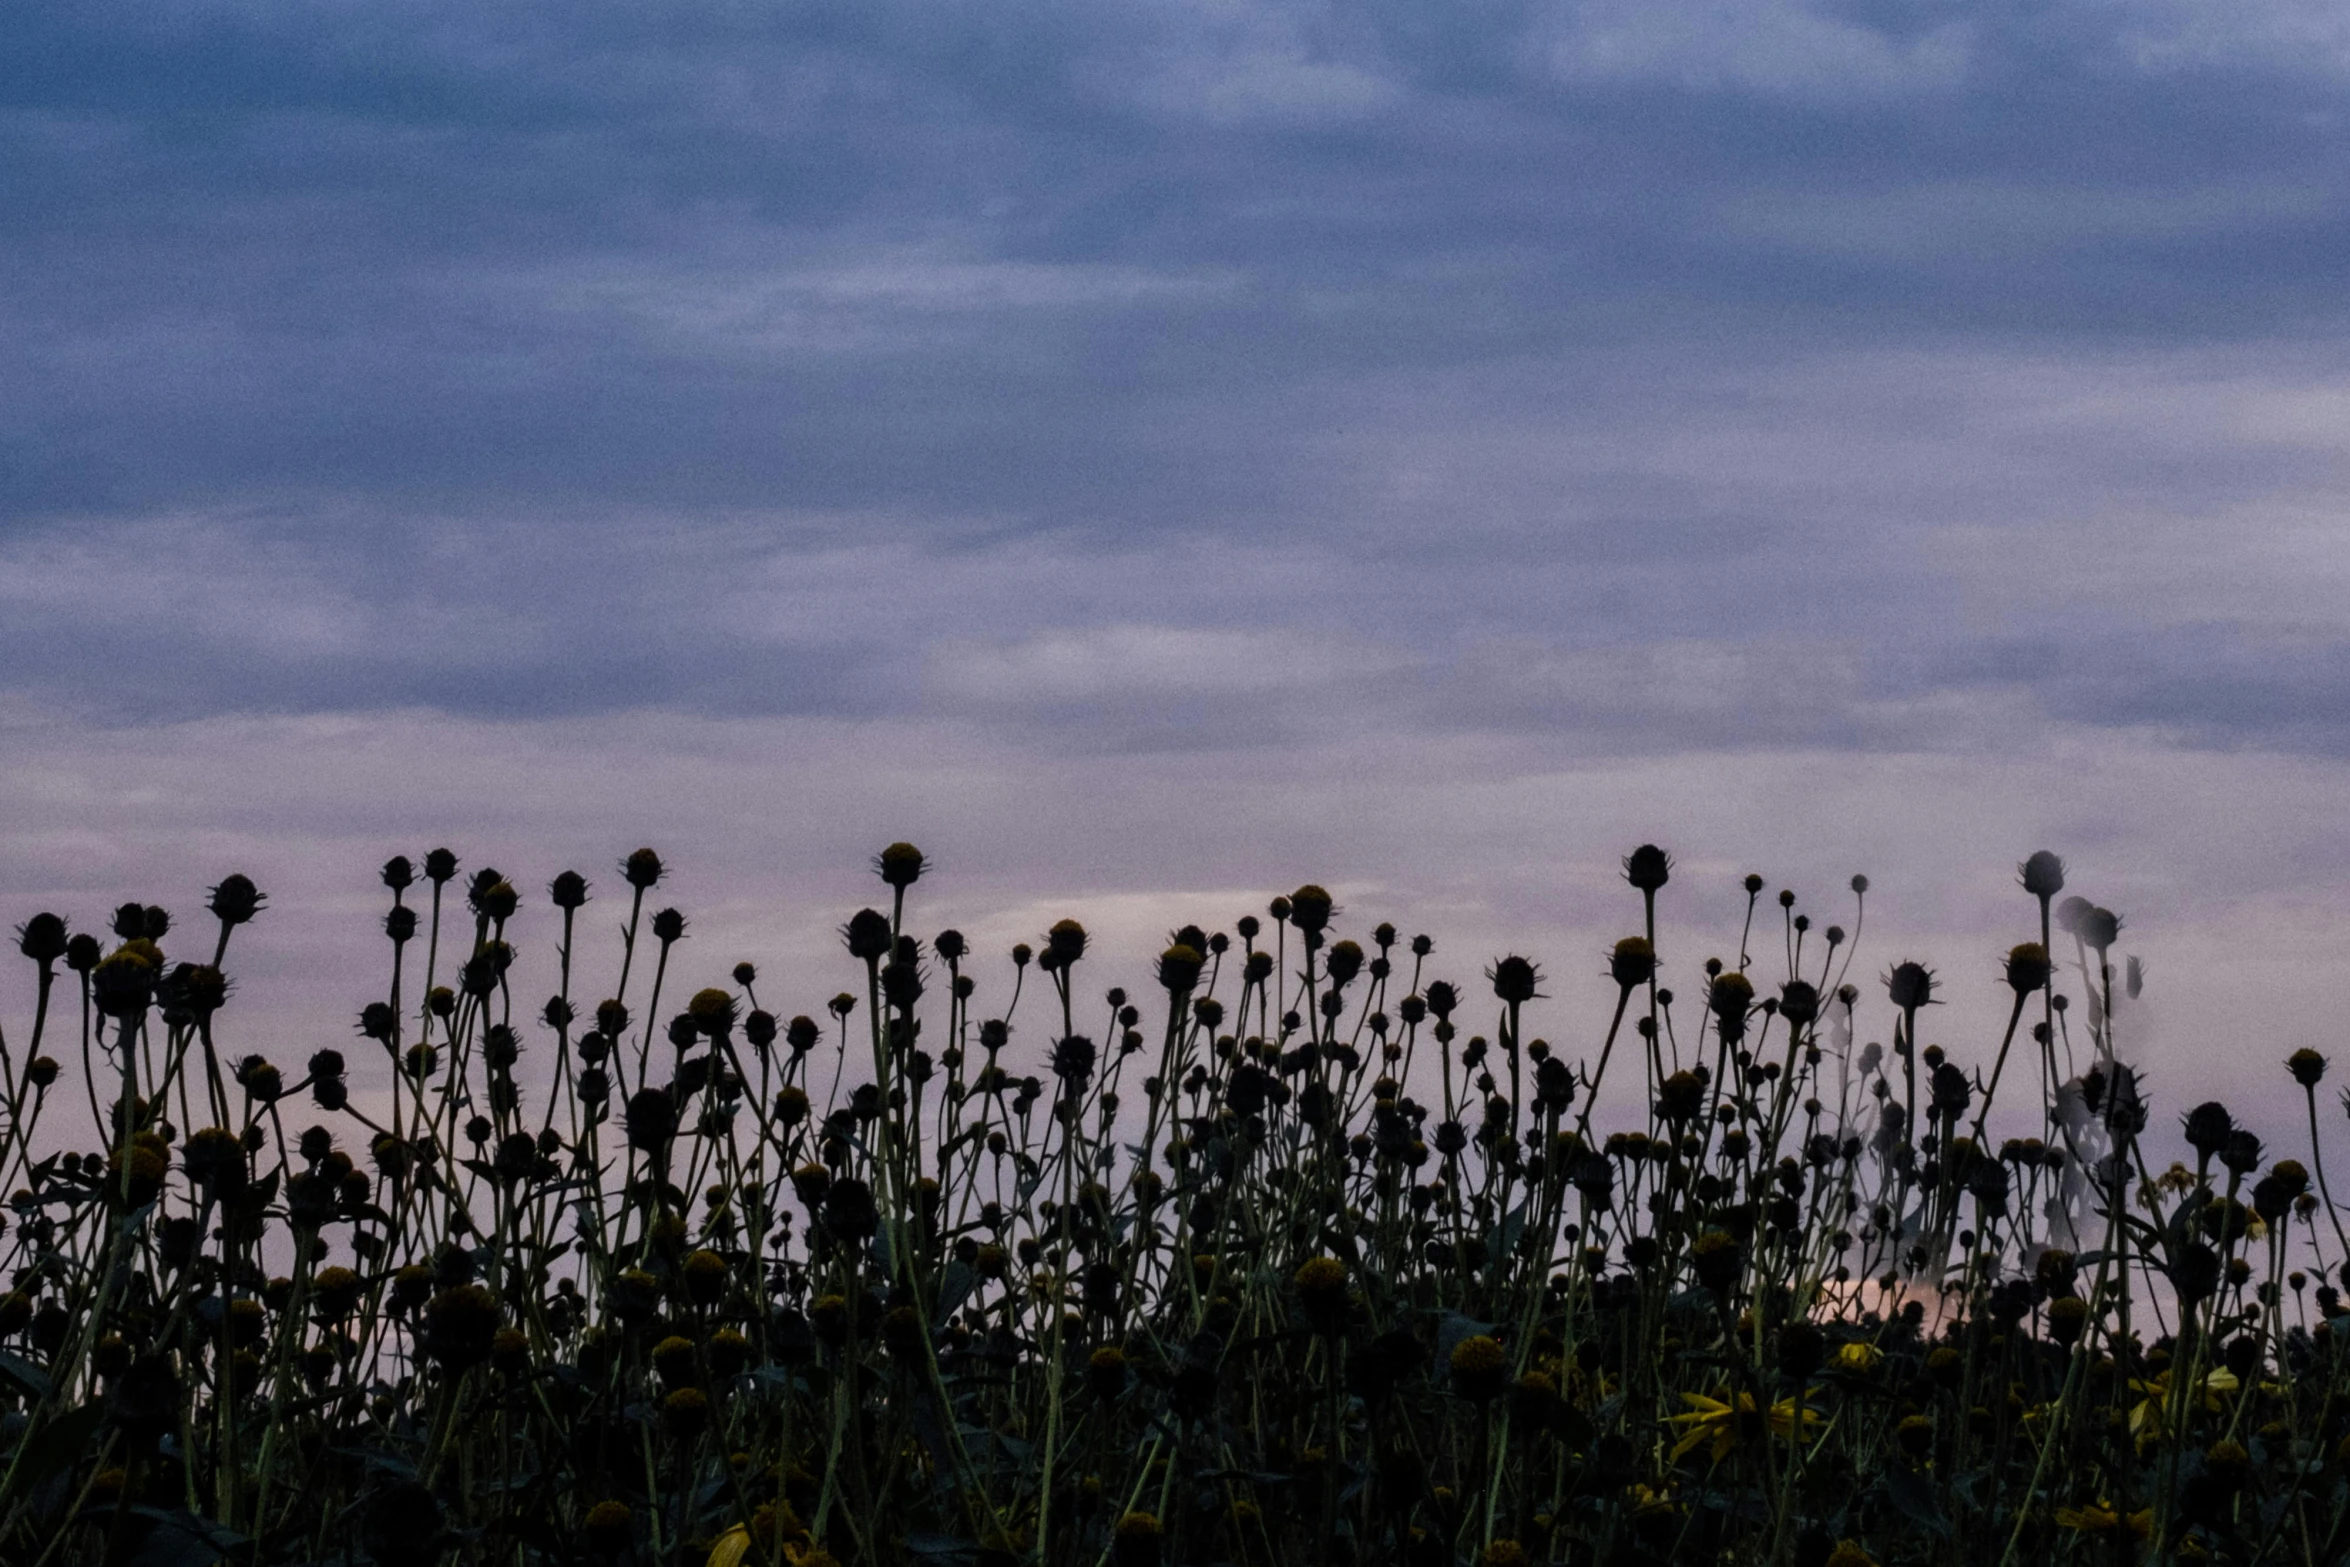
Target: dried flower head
(1479, 1364)
(1648, 868)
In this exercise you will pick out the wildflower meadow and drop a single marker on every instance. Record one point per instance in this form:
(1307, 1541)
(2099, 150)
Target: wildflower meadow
(1296, 1248)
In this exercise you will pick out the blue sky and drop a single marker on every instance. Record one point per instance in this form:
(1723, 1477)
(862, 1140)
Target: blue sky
(1154, 453)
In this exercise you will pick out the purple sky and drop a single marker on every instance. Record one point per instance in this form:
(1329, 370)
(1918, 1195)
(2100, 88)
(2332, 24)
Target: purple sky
(1154, 454)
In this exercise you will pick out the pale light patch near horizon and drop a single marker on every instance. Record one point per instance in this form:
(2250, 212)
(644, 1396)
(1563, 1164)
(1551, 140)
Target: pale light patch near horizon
(2222, 863)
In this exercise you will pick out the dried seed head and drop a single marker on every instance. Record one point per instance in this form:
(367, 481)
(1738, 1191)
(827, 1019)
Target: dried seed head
(1729, 997)
(1073, 1060)
(1632, 962)
(42, 939)
(686, 1413)
(460, 1325)
(236, 900)
(900, 865)
(1648, 868)
(705, 1274)
(651, 1119)
(1105, 1372)
(2042, 875)
(1478, 1365)
(712, 1012)
(1136, 1541)
(1910, 986)
(1717, 1260)
(674, 1361)
(867, 935)
(1515, 980)
(2208, 1127)
(1065, 942)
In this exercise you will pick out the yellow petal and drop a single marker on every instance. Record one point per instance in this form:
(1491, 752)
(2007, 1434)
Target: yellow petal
(731, 1548)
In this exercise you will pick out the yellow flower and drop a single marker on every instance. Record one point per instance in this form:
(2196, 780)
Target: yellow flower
(745, 1547)
(1649, 1504)
(2096, 1518)
(1857, 1358)
(2147, 1415)
(2105, 1518)
(1724, 1424)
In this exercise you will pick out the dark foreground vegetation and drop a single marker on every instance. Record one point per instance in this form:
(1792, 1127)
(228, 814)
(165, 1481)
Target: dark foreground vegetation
(1300, 1252)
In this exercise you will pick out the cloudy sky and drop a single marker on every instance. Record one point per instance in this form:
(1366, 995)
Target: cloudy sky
(1151, 454)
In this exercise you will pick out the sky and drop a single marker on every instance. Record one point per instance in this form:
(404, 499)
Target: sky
(1154, 454)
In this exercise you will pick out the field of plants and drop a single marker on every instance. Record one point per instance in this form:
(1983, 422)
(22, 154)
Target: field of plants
(1296, 1249)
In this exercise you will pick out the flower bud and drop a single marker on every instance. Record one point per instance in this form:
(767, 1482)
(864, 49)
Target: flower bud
(42, 939)
(1910, 986)
(1648, 868)
(2042, 875)
(900, 865)
(236, 900)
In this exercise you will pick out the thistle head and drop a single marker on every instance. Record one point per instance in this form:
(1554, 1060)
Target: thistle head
(1648, 868)
(1632, 962)
(900, 866)
(1910, 986)
(2042, 875)
(1310, 908)
(1515, 979)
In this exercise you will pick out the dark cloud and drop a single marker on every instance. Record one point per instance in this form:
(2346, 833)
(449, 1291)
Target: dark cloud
(1181, 376)
(977, 257)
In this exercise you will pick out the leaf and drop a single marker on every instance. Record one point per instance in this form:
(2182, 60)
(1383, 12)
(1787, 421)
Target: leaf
(933, 1434)
(954, 1287)
(28, 1378)
(1911, 1492)
(56, 1446)
(1504, 1239)
(1451, 1328)
(942, 1547)
(382, 1461)
(179, 1538)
